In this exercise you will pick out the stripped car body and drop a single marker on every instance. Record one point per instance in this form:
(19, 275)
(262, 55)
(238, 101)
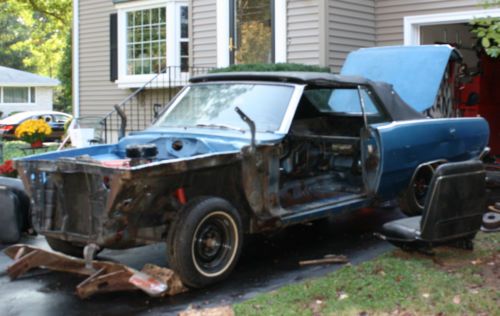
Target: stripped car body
(338, 143)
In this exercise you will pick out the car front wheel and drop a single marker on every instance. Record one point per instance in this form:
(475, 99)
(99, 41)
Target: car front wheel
(205, 242)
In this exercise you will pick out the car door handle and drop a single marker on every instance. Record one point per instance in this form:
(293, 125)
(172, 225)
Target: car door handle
(453, 132)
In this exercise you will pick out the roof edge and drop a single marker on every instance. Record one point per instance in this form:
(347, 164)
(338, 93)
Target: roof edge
(29, 84)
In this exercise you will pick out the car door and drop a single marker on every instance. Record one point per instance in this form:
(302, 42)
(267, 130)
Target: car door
(371, 146)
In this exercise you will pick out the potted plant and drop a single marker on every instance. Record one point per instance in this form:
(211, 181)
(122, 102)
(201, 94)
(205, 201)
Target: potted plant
(33, 132)
(7, 170)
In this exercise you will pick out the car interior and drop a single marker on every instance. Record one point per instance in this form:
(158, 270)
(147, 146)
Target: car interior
(321, 160)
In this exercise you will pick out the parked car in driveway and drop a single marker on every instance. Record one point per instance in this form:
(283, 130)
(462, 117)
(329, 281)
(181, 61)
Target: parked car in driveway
(241, 153)
(56, 120)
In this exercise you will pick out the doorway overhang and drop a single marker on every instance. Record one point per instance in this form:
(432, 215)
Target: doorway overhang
(412, 24)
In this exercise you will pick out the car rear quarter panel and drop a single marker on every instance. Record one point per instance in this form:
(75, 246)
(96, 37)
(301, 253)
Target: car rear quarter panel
(407, 144)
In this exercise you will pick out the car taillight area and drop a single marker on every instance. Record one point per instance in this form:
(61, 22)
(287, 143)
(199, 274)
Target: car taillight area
(7, 128)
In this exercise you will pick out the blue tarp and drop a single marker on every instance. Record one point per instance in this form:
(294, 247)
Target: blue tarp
(415, 72)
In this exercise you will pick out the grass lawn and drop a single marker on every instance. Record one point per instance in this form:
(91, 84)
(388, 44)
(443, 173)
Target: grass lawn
(12, 149)
(452, 282)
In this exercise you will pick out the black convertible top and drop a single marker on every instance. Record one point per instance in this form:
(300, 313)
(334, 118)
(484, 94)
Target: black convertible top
(397, 109)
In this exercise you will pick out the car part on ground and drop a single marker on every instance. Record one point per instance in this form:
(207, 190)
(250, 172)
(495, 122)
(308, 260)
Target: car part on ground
(453, 210)
(103, 276)
(65, 247)
(14, 211)
(491, 222)
(495, 208)
(326, 260)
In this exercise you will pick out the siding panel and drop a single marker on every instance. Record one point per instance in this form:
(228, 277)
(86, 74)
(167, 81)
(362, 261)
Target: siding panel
(351, 25)
(204, 33)
(97, 93)
(303, 32)
(390, 15)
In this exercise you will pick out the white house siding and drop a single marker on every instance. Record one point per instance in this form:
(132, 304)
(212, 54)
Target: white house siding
(390, 15)
(43, 101)
(351, 25)
(44, 98)
(97, 93)
(303, 32)
(203, 31)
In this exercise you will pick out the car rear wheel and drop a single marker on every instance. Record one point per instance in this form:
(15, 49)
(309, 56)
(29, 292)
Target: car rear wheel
(205, 242)
(412, 200)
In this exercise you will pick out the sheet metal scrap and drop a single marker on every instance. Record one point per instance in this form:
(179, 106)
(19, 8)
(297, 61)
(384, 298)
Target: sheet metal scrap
(103, 276)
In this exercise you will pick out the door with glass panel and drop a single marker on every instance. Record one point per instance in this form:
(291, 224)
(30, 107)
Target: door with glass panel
(251, 31)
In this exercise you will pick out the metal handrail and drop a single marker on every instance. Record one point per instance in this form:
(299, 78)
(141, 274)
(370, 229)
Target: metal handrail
(135, 93)
(117, 119)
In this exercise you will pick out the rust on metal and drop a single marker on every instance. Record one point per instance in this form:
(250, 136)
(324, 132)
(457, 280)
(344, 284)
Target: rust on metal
(102, 276)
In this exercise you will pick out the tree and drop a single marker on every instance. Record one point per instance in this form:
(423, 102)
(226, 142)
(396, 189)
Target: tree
(49, 22)
(65, 74)
(45, 48)
(17, 32)
(487, 31)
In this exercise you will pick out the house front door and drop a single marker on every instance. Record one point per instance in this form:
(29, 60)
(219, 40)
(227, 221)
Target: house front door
(251, 31)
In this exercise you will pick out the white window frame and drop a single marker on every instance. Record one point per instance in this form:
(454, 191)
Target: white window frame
(280, 32)
(412, 24)
(2, 95)
(173, 41)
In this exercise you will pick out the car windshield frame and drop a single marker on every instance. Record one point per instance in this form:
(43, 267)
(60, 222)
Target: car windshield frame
(284, 125)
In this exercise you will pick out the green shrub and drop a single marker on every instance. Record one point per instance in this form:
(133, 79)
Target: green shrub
(487, 31)
(271, 67)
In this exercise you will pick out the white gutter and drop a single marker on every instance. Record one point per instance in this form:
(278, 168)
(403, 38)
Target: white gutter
(76, 59)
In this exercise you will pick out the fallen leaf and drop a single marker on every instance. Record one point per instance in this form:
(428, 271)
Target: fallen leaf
(343, 296)
(426, 295)
(456, 299)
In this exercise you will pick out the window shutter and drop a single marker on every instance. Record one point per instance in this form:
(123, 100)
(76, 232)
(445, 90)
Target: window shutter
(113, 45)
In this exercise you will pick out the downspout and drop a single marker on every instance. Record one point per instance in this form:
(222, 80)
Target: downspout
(323, 35)
(76, 59)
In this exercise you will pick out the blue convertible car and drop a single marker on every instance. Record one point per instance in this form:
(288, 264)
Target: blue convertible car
(240, 153)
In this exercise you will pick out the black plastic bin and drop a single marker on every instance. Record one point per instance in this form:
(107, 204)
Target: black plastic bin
(14, 210)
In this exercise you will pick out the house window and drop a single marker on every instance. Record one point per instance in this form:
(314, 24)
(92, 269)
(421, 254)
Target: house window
(146, 41)
(18, 95)
(184, 38)
(32, 95)
(251, 31)
(251, 28)
(152, 38)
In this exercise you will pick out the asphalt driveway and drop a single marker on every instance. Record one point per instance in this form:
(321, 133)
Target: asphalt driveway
(267, 263)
